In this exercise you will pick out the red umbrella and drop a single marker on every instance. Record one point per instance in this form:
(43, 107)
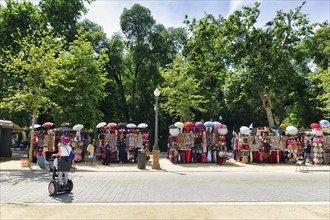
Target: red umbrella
(315, 126)
(47, 124)
(189, 125)
(111, 125)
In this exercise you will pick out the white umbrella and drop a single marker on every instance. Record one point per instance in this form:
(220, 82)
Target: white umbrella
(131, 125)
(317, 132)
(78, 127)
(291, 130)
(35, 126)
(101, 124)
(174, 132)
(179, 124)
(324, 123)
(142, 125)
(245, 130)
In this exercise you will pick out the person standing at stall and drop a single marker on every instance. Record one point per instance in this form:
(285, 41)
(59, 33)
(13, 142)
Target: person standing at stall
(64, 162)
(308, 152)
(122, 151)
(107, 154)
(90, 149)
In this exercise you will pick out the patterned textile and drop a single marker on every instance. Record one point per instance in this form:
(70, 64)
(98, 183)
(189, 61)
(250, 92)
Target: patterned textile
(139, 141)
(180, 140)
(113, 141)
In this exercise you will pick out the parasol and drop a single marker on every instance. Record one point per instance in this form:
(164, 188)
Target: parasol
(292, 130)
(179, 124)
(47, 124)
(315, 126)
(189, 125)
(35, 126)
(121, 125)
(174, 132)
(209, 124)
(101, 125)
(217, 125)
(111, 125)
(65, 124)
(317, 132)
(142, 125)
(131, 126)
(223, 130)
(199, 124)
(324, 123)
(78, 127)
(245, 130)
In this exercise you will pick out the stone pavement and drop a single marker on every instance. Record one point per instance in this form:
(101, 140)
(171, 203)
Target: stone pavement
(166, 165)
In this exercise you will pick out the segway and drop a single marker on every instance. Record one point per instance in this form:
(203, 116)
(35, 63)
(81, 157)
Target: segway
(54, 187)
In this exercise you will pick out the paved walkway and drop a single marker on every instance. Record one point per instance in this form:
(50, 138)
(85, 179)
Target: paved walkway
(166, 165)
(19, 185)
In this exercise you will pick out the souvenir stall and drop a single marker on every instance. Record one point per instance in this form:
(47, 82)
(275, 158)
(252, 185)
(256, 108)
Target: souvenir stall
(326, 140)
(132, 143)
(209, 139)
(189, 128)
(222, 148)
(291, 153)
(244, 140)
(199, 142)
(172, 143)
(197, 149)
(143, 138)
(79, 151)
(111, 130)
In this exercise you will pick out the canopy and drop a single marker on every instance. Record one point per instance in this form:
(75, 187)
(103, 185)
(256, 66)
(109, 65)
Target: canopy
(78, 127)
(111, 125)
(47, 124)
(101, 124)
(131, 126)
(217, 125)
(142, 125)
(189, 125)
(179, 124)
(209, 124)
(35, 126)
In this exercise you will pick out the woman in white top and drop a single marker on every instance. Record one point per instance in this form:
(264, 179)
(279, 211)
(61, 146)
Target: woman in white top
(64, 162)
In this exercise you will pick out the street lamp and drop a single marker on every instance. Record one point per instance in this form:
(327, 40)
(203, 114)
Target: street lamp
(156, 93)
(156, 151)
(220, 118)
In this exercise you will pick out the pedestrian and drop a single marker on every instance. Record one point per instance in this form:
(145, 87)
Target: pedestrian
(72, 154)
(107, 154)
(90, 150)
(308, 153)
(64, 162)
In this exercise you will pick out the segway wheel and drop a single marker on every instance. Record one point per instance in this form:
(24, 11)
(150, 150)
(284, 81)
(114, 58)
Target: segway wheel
(52, 188)
(70, 186)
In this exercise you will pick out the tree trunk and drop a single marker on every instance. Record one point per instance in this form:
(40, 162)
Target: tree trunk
(111, 70)
(267, 104)
(32, 134)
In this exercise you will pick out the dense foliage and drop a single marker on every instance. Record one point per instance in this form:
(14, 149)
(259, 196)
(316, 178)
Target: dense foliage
(57, 68)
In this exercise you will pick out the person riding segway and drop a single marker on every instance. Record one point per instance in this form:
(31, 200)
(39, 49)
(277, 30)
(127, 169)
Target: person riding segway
(64, 165)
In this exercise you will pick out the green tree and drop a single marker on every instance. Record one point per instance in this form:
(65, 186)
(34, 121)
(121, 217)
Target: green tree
(181, 91)
(267, 60)
(63, 15)
(78, 83)
(32, 66)
(318, 47)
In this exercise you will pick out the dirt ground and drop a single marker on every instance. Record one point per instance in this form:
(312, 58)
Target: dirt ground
(166, 211)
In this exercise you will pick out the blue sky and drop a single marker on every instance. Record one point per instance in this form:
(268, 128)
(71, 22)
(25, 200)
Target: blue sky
(171, 13)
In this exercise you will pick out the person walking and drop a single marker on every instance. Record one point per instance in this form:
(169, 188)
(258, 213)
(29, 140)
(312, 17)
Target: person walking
(308, 152)
(64, 162)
